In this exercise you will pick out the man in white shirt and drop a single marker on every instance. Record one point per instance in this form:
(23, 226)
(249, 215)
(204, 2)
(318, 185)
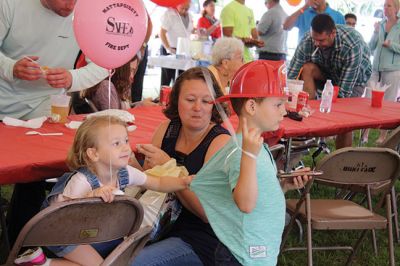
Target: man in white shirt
(176, 22)
(37, 52)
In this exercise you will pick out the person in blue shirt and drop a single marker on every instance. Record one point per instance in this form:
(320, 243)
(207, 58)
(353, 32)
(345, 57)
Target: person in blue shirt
(302, 18)
(238, 187)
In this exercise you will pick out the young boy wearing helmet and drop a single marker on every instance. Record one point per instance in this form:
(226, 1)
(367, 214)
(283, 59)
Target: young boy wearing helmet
(238, 187)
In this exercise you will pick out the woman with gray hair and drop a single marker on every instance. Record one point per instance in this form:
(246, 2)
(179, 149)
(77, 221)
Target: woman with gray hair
(226, 59)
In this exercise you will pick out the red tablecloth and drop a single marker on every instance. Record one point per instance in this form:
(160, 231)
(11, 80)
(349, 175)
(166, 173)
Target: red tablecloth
(31, 158)
(346, 115)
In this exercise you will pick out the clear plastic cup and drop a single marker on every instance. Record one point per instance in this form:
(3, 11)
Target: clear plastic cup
(294, 87)
(59, 108)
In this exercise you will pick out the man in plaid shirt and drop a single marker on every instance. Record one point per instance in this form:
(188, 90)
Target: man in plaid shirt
(332, 52)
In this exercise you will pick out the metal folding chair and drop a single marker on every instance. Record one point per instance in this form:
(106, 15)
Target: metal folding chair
(86, 221)
(343, 168)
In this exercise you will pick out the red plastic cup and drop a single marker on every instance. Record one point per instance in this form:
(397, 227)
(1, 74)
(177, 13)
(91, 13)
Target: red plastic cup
(377, 98)
(335, 93)
(164, 95)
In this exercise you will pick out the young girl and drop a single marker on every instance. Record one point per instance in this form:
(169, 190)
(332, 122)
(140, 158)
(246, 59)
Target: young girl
(99, 142)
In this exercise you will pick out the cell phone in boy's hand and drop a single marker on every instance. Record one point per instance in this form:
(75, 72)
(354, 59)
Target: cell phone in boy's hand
(294, 174)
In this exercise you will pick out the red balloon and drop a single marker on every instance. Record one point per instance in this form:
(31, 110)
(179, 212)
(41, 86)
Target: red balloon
(294, 2)
(169, 3)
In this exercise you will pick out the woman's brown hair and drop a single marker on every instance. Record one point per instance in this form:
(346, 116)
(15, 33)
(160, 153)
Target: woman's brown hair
(195, 73)
(120, 79)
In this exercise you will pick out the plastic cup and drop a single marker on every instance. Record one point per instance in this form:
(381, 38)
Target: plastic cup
(335, 93)
(165, 92)
(377, 98)
(294, 87)
(59, 108)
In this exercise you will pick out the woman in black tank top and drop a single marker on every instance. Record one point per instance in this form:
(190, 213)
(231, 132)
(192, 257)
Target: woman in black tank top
(192, 136)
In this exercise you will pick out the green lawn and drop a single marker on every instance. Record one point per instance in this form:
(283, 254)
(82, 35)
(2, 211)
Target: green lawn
(365, 255)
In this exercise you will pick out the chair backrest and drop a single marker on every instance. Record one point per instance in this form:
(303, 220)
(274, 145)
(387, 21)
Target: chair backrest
(129, 248)
(360, 166)
(392, 141)
(80, 221)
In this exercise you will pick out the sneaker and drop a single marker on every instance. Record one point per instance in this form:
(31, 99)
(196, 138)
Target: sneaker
(31, 257)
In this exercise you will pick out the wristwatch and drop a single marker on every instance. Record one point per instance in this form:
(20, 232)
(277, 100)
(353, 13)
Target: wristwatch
(144, 45)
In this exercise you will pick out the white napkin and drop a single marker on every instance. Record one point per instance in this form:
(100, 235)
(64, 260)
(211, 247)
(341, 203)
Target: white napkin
(32, 123)
(121, 114)
(73, 124)
(377, 86)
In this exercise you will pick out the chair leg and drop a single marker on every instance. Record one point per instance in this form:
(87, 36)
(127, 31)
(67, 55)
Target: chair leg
(369, 200)
(286, 232)
(309, 233)
(300, 226)
(356, 247)
(390, 229)
(395, 214)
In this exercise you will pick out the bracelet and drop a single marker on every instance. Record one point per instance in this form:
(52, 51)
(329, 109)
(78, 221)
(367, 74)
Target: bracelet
(251, 155)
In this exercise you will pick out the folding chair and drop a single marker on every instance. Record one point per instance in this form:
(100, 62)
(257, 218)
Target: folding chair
(82, 221)
(129, 248)
(392, 141)
(345, 167)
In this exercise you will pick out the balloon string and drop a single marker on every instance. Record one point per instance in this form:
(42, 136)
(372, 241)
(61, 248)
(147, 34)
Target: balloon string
(110, 73)
(224, 116)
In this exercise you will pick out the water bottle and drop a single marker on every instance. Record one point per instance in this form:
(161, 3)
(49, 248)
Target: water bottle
(326, 98)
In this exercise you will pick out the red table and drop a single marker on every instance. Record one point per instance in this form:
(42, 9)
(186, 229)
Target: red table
(32, 158)
(347, 114)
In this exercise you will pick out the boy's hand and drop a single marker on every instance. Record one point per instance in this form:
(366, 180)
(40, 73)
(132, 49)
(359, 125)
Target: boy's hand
(104, 192)
(297, 182)
(187, 180)
(252, 140)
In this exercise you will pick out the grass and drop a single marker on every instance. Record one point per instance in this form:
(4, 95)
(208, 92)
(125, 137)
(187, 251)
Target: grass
(365, 255)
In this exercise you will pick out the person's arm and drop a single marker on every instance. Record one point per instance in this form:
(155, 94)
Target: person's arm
(351, 66)
(167, 183)
(254, 33)
(290, 21)
(10, 69)
(245, 193)
(189, 198)
(87, 76)
(264, 24)
(375, 37)
(298, 60)
(203, 23)
(227, 22)
(148, 35)
(165, 43)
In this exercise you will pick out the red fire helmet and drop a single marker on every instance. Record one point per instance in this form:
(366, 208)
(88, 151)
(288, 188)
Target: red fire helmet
(256, 79)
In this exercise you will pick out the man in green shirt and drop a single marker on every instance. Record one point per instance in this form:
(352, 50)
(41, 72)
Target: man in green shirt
(238, 21)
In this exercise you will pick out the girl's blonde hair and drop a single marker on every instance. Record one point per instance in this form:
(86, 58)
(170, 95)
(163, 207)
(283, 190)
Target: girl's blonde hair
(86, 137)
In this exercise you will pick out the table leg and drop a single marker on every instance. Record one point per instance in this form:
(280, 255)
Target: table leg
(287, 154)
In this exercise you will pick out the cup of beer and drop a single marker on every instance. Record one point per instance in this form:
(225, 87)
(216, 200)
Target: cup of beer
(59, 108)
